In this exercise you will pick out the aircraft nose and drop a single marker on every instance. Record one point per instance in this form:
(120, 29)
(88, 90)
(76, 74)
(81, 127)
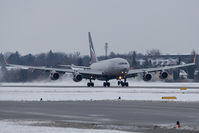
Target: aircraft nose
(126, 67)
(124, 70)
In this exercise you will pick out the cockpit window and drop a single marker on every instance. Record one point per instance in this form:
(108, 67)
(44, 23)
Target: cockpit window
(123, 63)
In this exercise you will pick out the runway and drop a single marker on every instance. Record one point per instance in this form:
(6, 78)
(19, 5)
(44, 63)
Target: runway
(134, 86)
(140, 109)
(120, 115)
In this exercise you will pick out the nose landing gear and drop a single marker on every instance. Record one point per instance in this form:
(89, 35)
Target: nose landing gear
(123, 83)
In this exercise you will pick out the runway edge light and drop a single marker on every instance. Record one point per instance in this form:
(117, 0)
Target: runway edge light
(183, 88)
(169, 98)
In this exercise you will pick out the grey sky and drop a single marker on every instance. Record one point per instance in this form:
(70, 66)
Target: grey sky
(34, 26)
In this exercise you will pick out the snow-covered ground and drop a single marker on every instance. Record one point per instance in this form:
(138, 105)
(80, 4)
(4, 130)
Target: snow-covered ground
(67, 81)
(140, 92)
(19, 127)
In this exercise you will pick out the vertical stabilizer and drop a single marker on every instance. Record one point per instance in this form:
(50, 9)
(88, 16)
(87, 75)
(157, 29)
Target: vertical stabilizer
(92, 51)
(194, 60)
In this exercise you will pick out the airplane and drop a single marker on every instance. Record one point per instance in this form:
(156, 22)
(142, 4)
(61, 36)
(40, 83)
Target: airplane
(105, 70)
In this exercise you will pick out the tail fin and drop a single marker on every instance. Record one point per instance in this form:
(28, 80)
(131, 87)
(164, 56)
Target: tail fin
(92, 51)
(195, 57)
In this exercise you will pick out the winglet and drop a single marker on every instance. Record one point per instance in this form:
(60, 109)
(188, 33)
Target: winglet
(195, 57)
(5, 61)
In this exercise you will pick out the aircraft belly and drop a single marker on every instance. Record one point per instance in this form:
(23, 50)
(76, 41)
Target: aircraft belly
(112, 72)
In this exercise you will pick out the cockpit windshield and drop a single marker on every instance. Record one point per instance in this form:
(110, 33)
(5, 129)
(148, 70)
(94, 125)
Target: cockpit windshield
(123, 63)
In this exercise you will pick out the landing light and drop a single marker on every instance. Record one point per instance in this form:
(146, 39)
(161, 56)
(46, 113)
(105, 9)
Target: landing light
(120, 77)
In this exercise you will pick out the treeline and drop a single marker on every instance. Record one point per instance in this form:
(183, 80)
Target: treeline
(49, 59)
(54, 59)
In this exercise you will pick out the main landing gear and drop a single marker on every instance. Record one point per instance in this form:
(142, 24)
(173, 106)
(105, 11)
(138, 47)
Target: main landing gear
(90, 84)
(123, 84)
(106, 84)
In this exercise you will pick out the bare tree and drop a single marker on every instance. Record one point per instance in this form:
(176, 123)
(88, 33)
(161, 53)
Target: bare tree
(193, 52)
(153, 52)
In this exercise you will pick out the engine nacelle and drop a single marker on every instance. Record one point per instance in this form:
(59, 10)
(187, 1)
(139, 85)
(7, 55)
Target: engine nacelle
(54, 75)
(147, 77)
(77, 77)
(163, 75)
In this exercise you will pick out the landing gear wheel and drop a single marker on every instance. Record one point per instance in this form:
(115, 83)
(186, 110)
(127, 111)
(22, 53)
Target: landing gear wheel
(106, 84)
(119, 83)
(127, 84)
(124, 84)
(90, 84)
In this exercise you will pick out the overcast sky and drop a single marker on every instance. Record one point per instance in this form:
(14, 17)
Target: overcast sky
(34, 26)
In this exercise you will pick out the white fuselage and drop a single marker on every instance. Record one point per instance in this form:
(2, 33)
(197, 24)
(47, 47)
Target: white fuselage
(112, 67)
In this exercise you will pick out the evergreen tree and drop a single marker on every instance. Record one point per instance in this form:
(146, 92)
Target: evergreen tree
(134, 62)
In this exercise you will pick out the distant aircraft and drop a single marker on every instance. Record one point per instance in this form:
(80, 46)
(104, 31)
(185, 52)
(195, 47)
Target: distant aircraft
(115, 68)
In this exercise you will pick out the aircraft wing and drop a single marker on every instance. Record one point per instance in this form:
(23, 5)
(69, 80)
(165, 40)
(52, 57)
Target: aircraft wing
(86, 73)
(41, 68)
(136, 71)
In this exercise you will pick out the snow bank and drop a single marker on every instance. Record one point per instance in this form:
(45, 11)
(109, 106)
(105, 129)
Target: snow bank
(85, 93)
(60, 91)
(12, 127)
(67, 81)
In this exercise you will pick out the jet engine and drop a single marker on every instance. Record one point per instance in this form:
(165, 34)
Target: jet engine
(163, 75)
(147, 77)
(77, 77)
(54, 75)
